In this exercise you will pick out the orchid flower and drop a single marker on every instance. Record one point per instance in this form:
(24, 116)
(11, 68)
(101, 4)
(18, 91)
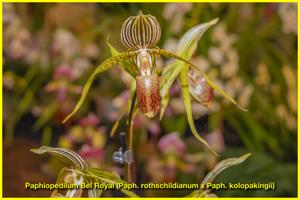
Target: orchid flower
(140, 34)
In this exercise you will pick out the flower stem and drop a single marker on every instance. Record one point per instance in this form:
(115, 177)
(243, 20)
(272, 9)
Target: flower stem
(129, 167)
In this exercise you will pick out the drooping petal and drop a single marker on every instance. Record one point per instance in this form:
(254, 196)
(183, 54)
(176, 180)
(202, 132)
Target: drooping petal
(103, 67)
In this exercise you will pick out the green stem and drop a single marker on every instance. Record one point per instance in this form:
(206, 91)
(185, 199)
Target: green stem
(128, 166)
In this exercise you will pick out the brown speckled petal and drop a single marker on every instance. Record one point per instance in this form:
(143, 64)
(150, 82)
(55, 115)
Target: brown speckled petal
(148, 97)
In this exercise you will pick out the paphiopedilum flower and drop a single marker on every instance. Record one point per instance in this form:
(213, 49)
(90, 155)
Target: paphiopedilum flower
(140, 34)
(200, 89)
(171, 144)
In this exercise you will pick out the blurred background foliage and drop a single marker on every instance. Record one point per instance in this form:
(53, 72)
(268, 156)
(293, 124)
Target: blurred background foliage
(50, 49)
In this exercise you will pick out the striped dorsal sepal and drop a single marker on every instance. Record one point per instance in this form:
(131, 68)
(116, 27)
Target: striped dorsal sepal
(141, 31)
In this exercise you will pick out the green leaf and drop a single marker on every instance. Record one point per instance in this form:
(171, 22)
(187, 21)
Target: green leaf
(188, 107)
(163, 104)
(65, 156)
(221, 166)
(129, 193)
(188, 43)
(185, 49)
(109, 62)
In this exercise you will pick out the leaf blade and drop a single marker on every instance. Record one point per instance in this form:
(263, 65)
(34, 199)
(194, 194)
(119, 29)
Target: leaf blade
(221, 166)
(224, 164)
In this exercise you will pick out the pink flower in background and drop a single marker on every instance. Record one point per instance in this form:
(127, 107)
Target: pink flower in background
(190, 167)
(154, 128)
(169, 112)
(121, 100)
(170, 173)
(175, 89)
(215, 140)
(63, 71)
(91, 50)
(80, 66)
(174, 12)
(90, 120)
(269, 11)
(288, 15)
(139, 121)
(65, 43)
(113, 116)
(88, 152)
(61, 94)
(171, 143)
